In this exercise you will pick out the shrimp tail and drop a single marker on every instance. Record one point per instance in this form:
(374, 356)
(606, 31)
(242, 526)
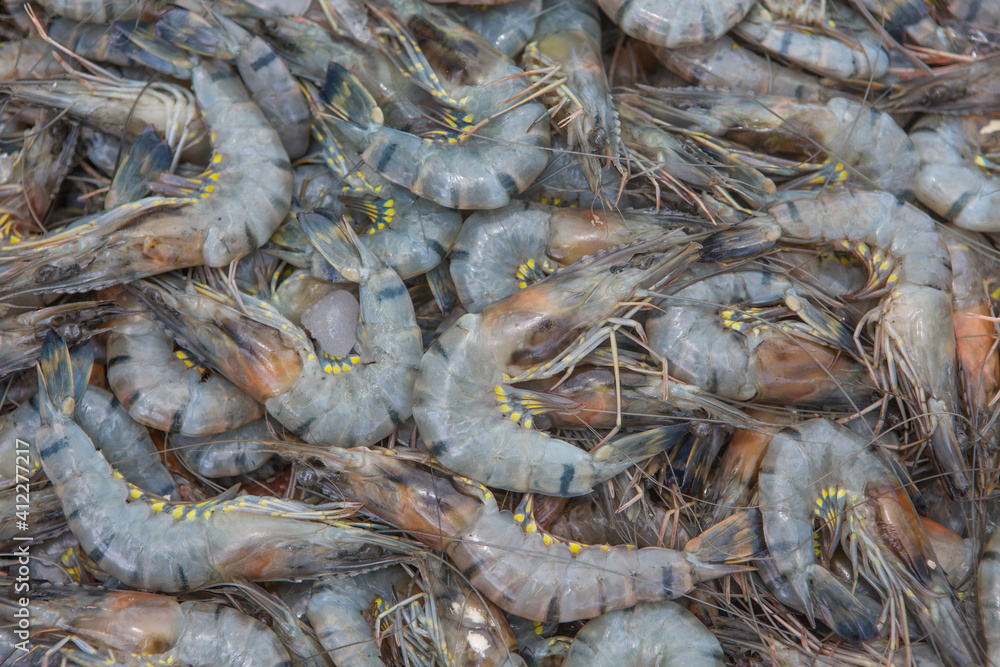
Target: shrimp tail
(196, 34)
(740, 241)
(147, 158)
(733, 541)
(338, 244)
(638, 446)
(350, 100)
(58, 392)
(839, 609)
(141, 43)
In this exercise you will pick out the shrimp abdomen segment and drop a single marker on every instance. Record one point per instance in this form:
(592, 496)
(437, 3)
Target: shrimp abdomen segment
(673, 24)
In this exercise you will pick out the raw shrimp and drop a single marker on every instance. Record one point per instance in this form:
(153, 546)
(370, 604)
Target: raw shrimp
(343, 402)
(675, 24)
(819, 463)
(97, 11)
(30, 188)
(706, 340)
(567, 44)
(28, 58)
(231, 211)
(881, 154)
(21, 332)
(467, 415)
(496, 145)
(664, 634)
(235, 452)
(588, 523)
(955, 181)
(989, 598)
(159, 546)
(507, 27)
(835, 52)
(112, 45)
(909, 268)
(499, 252)
(154, 627)
(725, 63)
(168, 390)
(271, 86)
(968, 88)
(517, 567)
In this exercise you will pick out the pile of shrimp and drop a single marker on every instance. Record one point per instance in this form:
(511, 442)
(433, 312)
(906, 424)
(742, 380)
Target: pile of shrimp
(538, 332)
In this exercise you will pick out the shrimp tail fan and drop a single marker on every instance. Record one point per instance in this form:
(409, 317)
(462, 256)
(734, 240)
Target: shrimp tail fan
(840, 610)
(733, 541)
(59, 388)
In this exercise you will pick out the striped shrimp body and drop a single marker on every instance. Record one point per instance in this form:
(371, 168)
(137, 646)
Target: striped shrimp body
(234, 208)
(846, 132)
(507, 27)
(462, 391)
(156, 628)
(158, 546)
(97, 11)
(226, 454)
(21, 330)
(834, 52)
(340, 401)
(506, 557)
(675, 24)
(909, 269)
(494, 146)
(270, 84)
(820, 463)
(988, 583)
(668, 636)
(955, 180)
(725, 63)
(708, 342)
(568, 37)
(499, 252)
(165, 389)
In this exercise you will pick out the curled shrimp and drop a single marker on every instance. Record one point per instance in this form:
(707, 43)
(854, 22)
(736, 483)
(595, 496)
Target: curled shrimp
(499, 252)
(492, 143)
(709, 342)
(156, 627)
(463, 384)
(168, 390)
(568, 37)
(343, 401)
(676, 24)
(230, 211)
(820, 469)
(155, 545)
(956, 181)
(668, 635)
(909, 269)
(505, 557)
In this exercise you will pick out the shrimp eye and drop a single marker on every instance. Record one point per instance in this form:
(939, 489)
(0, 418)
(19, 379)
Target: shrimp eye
(307, 477)
(597, 137)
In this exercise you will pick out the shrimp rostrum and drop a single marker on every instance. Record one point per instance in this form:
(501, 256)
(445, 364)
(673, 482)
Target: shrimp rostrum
(345, 401)
(508, 558)
(468, 414)
(156, 545)
(229, 211)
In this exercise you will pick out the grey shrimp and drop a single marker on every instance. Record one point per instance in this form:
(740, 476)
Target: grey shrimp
(954, 179)
(97, 11)
(496, 145)
(834, 52)
(820, 469)
(227, 454)
(660, 633)
(155, 545)
(507, 558)
(568, 37)
(988, 590)
(463, 390)
(343, 402)
(271, 86)
(169, 390)
(498, 252)
(675, 24)
(845, 131)
(709, 342)
(725, 63)
(19, 331)
(124, 443)
(157, 628)
(507, 27)
(228, 212)
(909, 269)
